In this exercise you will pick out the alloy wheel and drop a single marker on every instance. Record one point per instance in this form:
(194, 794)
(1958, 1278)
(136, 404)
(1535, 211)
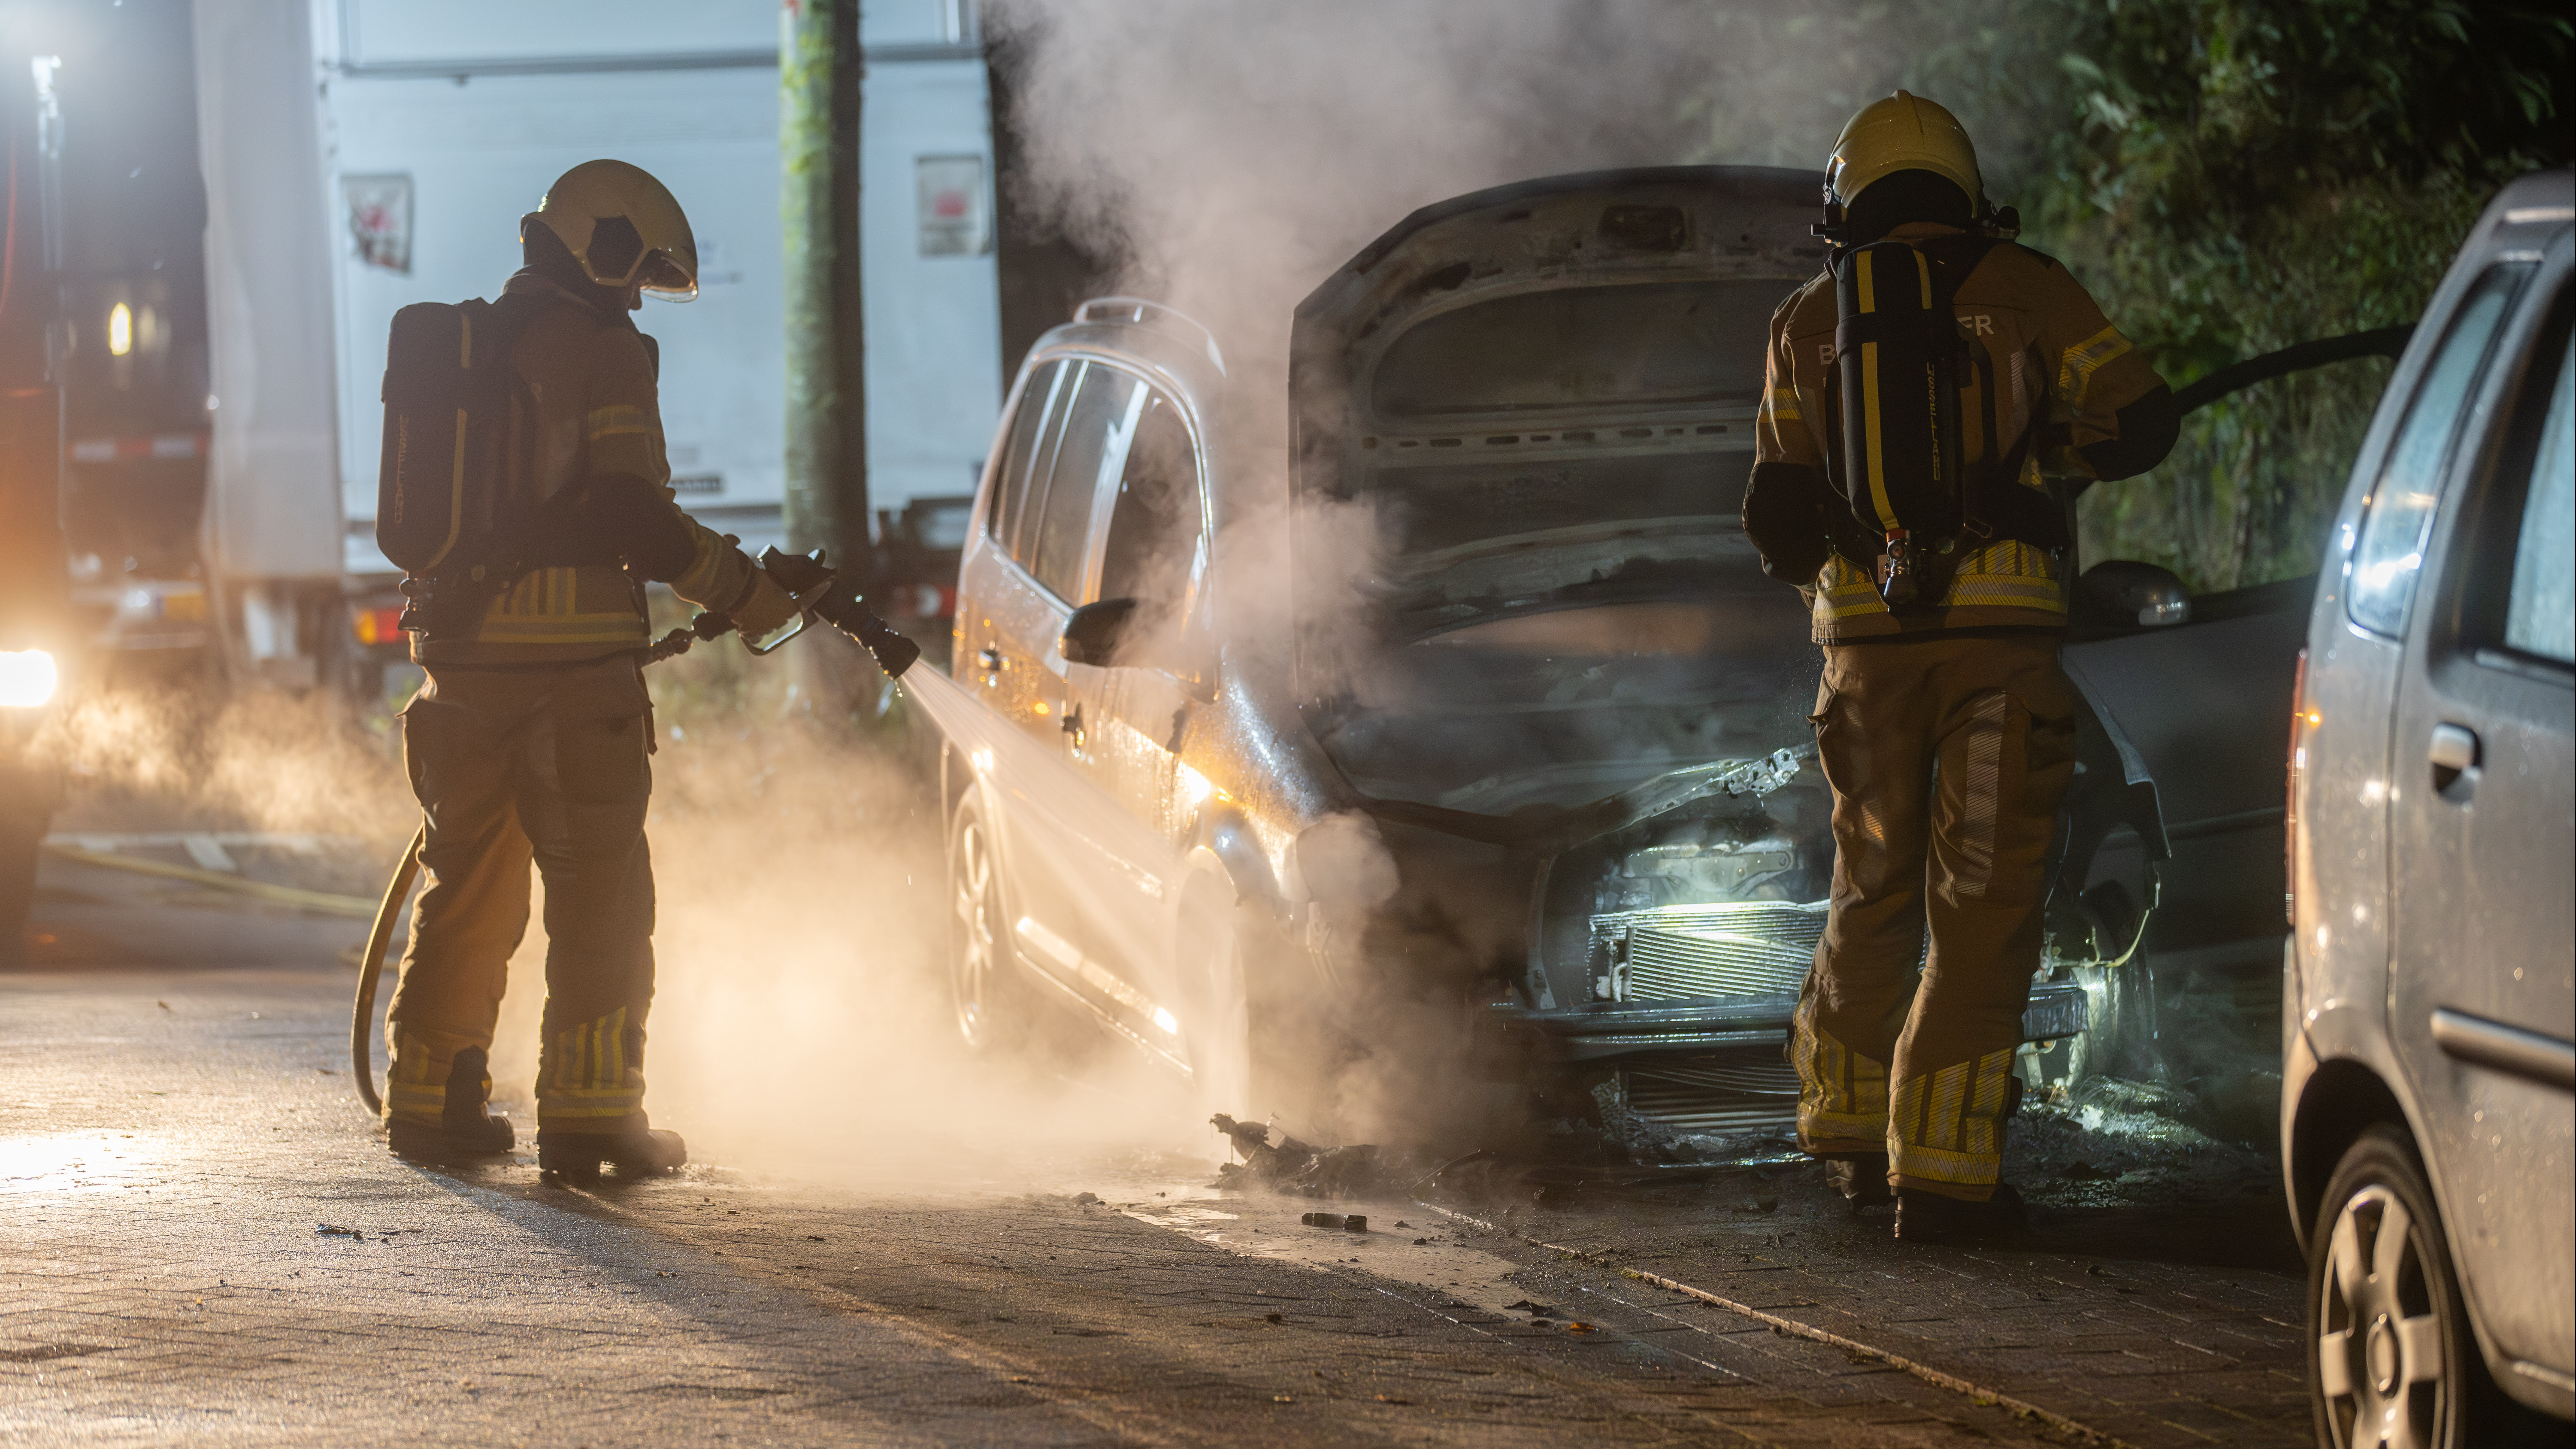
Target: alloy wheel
(975, 933)
(2386, 1320)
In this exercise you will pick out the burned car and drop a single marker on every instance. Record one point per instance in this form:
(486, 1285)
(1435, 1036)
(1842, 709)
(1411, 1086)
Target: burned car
(1479, 737)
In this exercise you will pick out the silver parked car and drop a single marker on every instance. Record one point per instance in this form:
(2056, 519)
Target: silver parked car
(2430, 978)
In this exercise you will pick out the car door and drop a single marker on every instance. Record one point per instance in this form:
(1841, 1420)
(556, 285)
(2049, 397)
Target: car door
(2482, 816)
(1045, 528)
(1128, 715)
(1004, 632)
(1153, 552)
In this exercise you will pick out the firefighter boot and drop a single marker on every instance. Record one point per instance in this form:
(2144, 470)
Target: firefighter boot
(637, 1150)
(464, 1128)
(1861, 1180)
(1929, 1217)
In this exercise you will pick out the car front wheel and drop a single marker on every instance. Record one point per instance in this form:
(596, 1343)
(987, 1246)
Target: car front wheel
(2391, 1357)
(982, 980)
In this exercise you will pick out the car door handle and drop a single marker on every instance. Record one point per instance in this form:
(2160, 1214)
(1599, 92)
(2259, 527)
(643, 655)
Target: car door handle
(2454, 753)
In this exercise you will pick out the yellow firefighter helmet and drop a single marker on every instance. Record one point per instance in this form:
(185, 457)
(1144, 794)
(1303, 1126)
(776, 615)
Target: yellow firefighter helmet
(1902, 133)
(623, 228)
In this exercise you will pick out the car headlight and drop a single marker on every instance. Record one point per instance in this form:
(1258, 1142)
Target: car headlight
(27, 678)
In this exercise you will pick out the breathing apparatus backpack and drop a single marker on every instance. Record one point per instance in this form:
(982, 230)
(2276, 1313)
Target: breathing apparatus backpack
(1894, 401)
(440, 514)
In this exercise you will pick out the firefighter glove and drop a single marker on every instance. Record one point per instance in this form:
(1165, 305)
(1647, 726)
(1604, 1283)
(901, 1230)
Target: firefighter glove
(764, 607)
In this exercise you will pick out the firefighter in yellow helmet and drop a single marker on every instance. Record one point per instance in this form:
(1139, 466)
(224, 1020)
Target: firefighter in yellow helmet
(530, 740)
(1944, 724)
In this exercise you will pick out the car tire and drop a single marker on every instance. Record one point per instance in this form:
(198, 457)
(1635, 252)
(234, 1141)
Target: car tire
(990, 1000)
(2392, 1358)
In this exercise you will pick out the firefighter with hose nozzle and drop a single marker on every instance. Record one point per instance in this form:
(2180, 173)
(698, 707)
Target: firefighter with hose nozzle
(525, 492)
(1919, 396)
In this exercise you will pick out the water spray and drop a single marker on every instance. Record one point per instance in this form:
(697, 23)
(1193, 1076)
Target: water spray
(818, 593)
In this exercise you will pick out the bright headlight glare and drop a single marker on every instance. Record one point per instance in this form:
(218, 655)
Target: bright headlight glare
(27, 678)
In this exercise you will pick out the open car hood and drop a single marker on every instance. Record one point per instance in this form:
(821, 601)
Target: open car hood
(1539, 400)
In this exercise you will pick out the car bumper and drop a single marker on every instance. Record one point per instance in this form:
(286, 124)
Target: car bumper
(1627, 1032)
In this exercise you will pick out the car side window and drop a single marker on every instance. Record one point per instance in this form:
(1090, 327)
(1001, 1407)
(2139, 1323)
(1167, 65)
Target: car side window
(1154, 525)
(1021, 456)
(2389, 555)
(1094, 427)
(2540, 605)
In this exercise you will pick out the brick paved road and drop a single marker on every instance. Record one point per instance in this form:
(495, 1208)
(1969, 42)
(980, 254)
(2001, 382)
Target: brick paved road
(172, 1140)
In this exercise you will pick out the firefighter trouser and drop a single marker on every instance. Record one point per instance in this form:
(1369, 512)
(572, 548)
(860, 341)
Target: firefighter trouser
(1947, 757)
(512, 766)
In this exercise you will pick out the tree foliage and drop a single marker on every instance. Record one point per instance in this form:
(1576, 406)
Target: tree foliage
(2227, 176)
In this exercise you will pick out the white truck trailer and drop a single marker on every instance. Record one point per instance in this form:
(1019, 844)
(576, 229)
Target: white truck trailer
(440, 124)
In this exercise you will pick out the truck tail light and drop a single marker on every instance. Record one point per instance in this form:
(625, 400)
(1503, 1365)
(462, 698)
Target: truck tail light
(380, 626)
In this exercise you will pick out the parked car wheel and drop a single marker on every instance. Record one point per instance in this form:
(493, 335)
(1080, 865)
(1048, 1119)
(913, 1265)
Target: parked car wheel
(990, 1000)
(2391, 1357)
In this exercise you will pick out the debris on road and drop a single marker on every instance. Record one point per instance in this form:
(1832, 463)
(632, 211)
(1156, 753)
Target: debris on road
(1086, 1199)
(1296, 1167)
(1349, 1223)
(334, 1230)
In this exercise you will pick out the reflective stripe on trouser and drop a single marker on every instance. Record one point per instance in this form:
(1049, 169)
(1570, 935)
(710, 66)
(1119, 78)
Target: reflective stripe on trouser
(1946, 1128)
(591, 1070)
(1947, 755)
(416, 1087)
(513, 767)
(1842, 1095)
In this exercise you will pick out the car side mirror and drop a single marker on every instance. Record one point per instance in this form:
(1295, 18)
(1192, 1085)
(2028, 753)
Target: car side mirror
(1093, 632)
(2127, 593)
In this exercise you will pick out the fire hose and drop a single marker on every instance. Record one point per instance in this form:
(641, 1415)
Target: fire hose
(814, 587)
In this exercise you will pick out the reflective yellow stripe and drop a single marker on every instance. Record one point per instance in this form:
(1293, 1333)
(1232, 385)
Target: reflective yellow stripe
(615, 420)
(2075, 371)
(1842, 1095)
(707, 570)
(1948, 1126)
(1784, 405)
(589, 1075)
(2004, 574)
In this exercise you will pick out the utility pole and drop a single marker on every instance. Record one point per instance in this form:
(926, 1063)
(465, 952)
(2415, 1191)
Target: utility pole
(820, 74)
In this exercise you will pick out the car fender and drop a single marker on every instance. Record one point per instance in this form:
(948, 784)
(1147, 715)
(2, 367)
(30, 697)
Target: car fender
(2337, 1077)
(1224, 841)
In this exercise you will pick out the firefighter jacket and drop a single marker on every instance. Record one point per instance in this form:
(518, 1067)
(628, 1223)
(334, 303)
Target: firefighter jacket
(585, 471)
(2061, 368)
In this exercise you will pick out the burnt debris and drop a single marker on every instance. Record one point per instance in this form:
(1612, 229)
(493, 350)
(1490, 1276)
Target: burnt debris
(1291, 1166)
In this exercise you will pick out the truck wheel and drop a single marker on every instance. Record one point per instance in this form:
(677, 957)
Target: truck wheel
(991, 1001)
(2391, 1356)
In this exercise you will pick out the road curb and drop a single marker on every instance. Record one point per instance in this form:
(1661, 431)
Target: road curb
(323, 902)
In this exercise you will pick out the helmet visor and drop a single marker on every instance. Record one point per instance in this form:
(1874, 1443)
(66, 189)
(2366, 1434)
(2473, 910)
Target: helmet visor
(664, 277)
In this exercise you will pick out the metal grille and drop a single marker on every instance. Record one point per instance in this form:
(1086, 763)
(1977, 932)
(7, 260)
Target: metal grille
(1747, 948)
(1717, 1096)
